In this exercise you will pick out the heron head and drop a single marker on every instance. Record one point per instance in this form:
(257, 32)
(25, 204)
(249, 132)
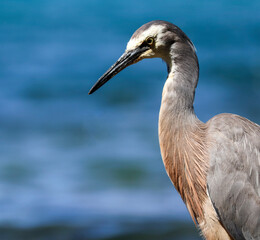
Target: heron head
(153, 39)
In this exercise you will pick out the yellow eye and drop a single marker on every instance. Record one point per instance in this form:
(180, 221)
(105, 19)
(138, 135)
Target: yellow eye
(149, 41)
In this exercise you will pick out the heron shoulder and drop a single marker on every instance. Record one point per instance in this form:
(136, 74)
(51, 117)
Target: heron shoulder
(234, 128)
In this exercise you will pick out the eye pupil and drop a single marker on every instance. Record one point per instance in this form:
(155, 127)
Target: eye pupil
(149, 41)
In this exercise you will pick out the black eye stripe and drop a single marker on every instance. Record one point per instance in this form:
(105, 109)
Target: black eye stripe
(144, 44)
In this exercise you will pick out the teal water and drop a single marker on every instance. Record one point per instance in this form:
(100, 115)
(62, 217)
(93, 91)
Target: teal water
(74, 166)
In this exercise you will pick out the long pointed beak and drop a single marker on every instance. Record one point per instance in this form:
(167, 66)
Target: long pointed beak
(128, 58)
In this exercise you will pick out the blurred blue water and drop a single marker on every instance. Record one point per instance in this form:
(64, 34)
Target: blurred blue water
(94, 161)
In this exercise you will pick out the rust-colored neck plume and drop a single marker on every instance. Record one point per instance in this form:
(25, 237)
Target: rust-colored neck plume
(183, 153)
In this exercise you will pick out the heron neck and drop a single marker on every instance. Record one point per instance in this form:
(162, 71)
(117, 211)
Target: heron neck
(179, 88)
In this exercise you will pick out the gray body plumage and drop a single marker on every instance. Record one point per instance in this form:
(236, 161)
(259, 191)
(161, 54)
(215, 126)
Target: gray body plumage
(234, 176)
(215, 166)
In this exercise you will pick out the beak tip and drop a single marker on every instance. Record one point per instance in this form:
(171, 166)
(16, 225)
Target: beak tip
(93, 89)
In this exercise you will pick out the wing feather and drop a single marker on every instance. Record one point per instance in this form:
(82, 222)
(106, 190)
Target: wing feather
(234, 175)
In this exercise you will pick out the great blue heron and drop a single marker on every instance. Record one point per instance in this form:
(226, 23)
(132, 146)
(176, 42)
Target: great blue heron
(215, 166)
